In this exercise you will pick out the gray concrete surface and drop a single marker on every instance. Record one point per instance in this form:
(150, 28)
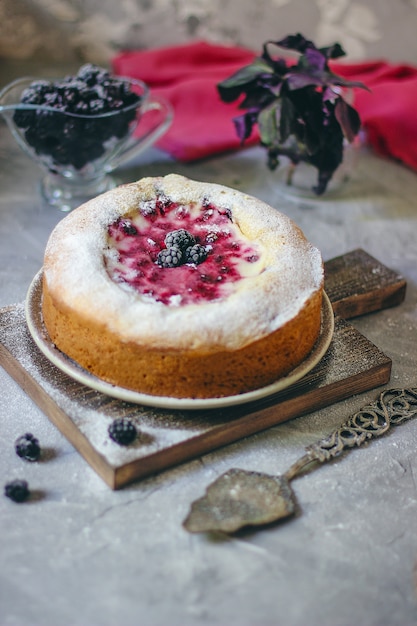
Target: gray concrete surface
(79, 554)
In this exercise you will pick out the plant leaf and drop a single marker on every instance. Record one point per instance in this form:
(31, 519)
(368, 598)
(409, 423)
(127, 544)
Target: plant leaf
(313, 59)
(297, 103)
(287, 117)
(334, 51)
(311, 140)
(300, 79)
(244, 124)
(268, 126)
(231, 88)
(258, 97)
(334, 79)
(348, 119)
(295, 42)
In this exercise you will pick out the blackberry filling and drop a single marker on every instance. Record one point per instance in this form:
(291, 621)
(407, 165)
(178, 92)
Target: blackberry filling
(180, 254)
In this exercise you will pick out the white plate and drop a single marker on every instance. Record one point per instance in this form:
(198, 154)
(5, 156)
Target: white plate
(65, 364)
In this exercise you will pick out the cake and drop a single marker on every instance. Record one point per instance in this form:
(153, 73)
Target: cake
(185, 289)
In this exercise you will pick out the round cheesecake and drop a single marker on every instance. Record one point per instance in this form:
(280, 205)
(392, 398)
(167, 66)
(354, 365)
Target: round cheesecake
(184, 289)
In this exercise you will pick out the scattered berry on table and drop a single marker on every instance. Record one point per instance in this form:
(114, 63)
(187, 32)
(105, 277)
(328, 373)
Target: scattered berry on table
(180, 238)
(170, 257)
(17, 490)
(195, 254)
(122, 431)
(27, 447)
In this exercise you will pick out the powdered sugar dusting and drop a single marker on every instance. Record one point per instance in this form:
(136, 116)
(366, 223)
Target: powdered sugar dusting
(85, 411)
(76, 274)
(89, 412)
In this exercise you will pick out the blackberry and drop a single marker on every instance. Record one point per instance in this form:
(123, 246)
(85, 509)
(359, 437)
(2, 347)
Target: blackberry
(27, 447)
(54, 100)
(128, 228)
(96, 106)
(170, 257)
(115, 91)
(71, 94)
(17, 490)
(24, 118)
(77, 142)
(80, 107)
(123, 431)
(49, 125)
(39, 87)
(195, 254)
(181, 238)
(32, 95)
(91, 74)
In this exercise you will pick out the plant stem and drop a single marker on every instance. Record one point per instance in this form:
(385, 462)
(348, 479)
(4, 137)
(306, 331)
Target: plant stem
(291, 171)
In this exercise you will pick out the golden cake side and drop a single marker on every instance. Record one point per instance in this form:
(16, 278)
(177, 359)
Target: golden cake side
(214, 354)
(183, 374)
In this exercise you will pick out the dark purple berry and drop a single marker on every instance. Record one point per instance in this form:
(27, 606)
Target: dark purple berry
(170, 257)
(17, 490)
(40, 87)
(181, 238)
(195, 254)
(79, 140)
(96, 107)
(91, 74)
(70, 95)
(24, 118)
(128, 228)
(32, 95)
(123, 431)
(27, 447)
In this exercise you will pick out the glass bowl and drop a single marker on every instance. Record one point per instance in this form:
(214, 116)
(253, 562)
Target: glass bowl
(78, 152)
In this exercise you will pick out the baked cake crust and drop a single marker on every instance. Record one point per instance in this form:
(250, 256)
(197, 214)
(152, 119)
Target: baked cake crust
(264, 326)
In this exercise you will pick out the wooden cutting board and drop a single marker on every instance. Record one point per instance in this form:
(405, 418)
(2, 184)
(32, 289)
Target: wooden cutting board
(356, 284)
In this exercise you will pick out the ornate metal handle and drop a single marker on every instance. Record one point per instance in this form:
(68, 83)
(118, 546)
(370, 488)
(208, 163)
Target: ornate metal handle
(392, 407)
(240, 498)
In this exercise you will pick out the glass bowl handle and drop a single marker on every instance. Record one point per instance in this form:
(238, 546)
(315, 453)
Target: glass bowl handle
(138, 143)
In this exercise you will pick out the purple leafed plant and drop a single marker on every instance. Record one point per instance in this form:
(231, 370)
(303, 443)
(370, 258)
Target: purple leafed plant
(298, 106)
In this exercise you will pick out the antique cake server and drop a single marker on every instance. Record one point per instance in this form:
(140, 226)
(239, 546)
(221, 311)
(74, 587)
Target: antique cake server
(240, 498)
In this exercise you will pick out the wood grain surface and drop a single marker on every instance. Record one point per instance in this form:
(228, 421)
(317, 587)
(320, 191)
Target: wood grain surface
(357, 283)
(352, 365)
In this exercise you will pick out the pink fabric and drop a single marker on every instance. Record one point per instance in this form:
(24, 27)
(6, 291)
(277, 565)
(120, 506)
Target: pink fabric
(187, 75)
(389, 111)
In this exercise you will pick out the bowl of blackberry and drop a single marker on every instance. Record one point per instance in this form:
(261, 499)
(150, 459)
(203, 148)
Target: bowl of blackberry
(82, 127)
